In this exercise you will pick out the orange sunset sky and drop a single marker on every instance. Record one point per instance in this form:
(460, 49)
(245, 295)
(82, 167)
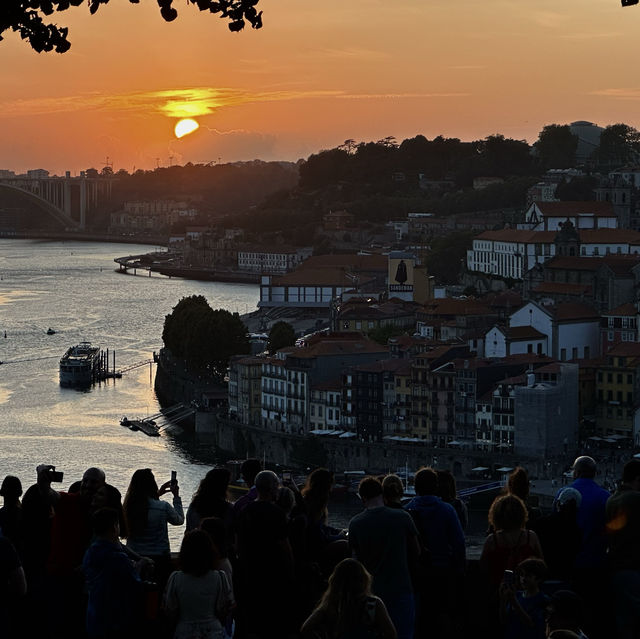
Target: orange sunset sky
(316, 74)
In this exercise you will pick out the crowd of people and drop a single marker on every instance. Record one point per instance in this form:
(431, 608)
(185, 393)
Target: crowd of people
(88, 563)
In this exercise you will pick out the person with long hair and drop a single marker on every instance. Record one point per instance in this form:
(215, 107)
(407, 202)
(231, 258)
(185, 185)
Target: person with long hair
(348, 609)
(197, 597)
(147, 518)
(210, 500)
(315, 495)
(511, 542)
(326, 545)
(518, 484)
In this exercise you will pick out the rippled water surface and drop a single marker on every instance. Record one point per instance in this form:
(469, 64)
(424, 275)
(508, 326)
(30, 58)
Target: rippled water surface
(73, 287)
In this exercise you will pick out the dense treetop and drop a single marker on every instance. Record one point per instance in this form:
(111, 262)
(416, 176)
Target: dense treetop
(204, 338)
(26, 18)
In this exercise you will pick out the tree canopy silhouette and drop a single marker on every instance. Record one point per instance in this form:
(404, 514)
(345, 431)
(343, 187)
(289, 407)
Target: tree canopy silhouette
(26, 18)
(204, 338)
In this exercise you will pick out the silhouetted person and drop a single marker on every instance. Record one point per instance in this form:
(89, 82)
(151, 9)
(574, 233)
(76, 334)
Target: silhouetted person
(13, 587)
(560, 536)
(623, 528)
(197, 597)
(265, 563)
(441, 532)
(590, 567)
(115, 604)
(448, 493)
(249, 469)
(383, 539)
(518, 484)
(591, 514)
(392, 491)
(348, 608)
(148, 518)
(11, 525)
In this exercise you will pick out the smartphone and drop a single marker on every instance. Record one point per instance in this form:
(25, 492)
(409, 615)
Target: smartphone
(286, 476)
(174, 477)
(509, 577)
(56, 476)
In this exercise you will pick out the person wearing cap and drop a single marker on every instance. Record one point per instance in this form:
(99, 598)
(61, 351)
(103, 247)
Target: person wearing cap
(623, 529)
(11, 512)
(591, 515)
(559, 535)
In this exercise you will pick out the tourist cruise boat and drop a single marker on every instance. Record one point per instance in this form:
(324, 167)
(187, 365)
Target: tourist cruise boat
(80, 365)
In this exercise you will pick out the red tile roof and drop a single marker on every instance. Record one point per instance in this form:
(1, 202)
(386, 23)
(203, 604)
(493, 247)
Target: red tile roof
(339, 347)
(625, 349)
(606, 236)
(563, 288)
(391, 365)
(450, 306)
(517, 333)
(624, 310)
(569, 311)
(319, 277)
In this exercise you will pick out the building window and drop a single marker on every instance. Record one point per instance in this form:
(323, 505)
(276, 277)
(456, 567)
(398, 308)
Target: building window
(563, 354)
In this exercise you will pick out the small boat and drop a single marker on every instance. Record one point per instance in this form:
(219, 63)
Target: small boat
(147, 426)
(50, 331)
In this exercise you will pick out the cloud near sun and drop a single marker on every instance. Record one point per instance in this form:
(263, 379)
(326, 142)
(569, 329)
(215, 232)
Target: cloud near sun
(179, 103)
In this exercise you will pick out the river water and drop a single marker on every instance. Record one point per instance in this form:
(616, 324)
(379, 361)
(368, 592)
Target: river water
(74, 288)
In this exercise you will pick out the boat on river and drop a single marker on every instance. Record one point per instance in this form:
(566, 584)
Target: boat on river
(80, 365)
(147, 426)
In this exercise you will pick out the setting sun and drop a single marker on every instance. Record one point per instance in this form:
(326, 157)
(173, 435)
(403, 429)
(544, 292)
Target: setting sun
(186, 126)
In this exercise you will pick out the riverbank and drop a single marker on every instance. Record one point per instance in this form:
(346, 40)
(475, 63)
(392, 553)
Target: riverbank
(81, 236)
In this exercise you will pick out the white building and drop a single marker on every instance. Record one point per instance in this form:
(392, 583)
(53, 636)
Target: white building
(571, 331)
(257, 259)
(514, 340)
(325, 406)
(510, 253)
(550, 216)
(274, 394)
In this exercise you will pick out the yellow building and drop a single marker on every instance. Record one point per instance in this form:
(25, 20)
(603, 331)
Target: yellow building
(617, 393)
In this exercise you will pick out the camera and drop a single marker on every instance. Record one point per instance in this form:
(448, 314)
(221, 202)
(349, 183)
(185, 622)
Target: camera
(286, 476)
(55, 476)
(174, 477)
(509, 577)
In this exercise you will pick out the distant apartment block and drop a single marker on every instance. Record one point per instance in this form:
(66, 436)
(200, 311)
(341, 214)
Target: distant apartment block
(37, 174)
(618, 325)
(279, 260)
(150, 215)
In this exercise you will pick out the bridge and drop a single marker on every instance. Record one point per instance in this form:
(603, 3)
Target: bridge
(67, 199)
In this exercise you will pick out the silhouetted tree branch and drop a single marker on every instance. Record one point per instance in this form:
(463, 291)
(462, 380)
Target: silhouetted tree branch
(26, 18)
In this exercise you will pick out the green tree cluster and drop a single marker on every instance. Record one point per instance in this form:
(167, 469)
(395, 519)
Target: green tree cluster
(281, 335)
(556, 147)
(204, 338)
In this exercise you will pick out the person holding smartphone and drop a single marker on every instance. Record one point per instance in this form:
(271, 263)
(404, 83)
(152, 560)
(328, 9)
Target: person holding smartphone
(148, 518)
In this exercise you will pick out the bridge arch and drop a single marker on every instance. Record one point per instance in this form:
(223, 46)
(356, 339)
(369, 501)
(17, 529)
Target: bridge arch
(58, 214)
